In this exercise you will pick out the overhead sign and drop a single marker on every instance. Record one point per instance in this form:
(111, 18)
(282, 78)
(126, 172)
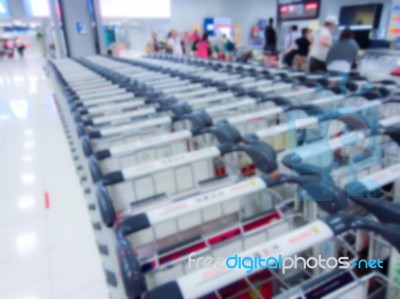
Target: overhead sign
(218, 26)
(289, 10)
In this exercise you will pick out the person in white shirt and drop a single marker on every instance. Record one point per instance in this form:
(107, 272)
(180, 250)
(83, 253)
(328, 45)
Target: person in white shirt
(174, 44)
(322, 42)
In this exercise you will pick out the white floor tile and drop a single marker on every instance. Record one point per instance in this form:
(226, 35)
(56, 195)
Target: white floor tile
(65, 191)
(74, 266)
(29, 271)
(67, 227)
(23, 240)
(98, 291)
(20, 204)
(38, 290)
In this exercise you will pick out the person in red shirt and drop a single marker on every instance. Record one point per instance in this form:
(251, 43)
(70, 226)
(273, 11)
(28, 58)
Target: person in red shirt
(203, 47)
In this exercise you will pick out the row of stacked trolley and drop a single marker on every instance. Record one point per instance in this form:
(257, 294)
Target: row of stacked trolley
(184, 157)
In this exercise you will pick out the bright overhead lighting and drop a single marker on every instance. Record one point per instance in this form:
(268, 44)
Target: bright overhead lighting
(26, 158)
(26, 202)
(29, 144)
(26, 243)
(28, 132)
(28, 178)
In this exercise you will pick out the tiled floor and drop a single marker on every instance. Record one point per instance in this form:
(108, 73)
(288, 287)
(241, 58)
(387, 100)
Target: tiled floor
(47, 251)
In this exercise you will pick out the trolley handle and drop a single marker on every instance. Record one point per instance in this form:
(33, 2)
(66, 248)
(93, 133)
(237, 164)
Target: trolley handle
(199, 120)
(282, 102)
(318, 184)
(342, 223)
(321, 188)
(312, 110)
(393, 100)
(393, 132)
(385, 211)
(261, 153)
(224, 132)
(131, 272)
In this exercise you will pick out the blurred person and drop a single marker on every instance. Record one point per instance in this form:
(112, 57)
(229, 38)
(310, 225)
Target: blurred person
(53, 52)
(195, 37)
(219, 47)
(322, 41)
(203, 47)
(2, 47)
(186, 43)
(20, 46)
(112, 49)
(270, 36)
(343, 54)
(168, 49)
(302, 49)
(290, 46)
(229, 48)
(155, 43)
(10, 47)
(174, 45)
(186, 35)
(246, 56)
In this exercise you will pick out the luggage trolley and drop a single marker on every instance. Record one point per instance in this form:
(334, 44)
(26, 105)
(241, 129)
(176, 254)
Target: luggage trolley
(248, 206)
(141, 107)
(250, 82)
(151, 230)
(174, 91)
(220, 282)
(152, 121)
(184, 96)
(142, 222)
(180, 142)
(113, 103)
(362, 191)
(84, 79)
(156, 243)
(95, 95)
(137, 222)
(177, 142)
(170, 178)
(302, 124)
(145, 112)
(160, 125)
(277, 87)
